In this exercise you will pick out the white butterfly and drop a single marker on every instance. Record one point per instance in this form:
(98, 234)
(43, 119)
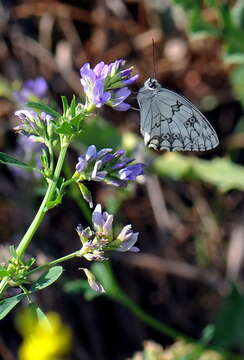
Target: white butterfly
(171, 122)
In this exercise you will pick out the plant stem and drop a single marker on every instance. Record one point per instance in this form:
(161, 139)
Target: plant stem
(40, 214)
(149, 320)
(75, 194)
(42, 210)
(55, 262)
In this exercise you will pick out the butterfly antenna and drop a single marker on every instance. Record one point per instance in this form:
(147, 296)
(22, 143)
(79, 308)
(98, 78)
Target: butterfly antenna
(154, 60)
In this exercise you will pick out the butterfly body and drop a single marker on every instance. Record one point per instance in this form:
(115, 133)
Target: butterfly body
(171, 122)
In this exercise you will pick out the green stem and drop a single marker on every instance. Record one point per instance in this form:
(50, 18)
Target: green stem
(149, 320)
(42, 210)
(40, 214)
(76, 195)
(55, 262)
(167, 330)
(3, 284)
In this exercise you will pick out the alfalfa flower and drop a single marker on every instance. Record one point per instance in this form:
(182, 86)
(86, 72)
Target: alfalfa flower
(107, 84)
(34, 89)
(38, 127)
(104, 165)
(99, 238)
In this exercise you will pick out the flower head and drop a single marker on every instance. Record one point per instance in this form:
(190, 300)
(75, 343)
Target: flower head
(35, 88)
(100, 238)
(37, 127)
(106, 84)
(103, 165)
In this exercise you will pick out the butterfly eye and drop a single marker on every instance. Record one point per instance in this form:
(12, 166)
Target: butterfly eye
(152, 84)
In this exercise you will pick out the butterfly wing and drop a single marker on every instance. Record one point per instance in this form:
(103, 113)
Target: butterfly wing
(171, 122)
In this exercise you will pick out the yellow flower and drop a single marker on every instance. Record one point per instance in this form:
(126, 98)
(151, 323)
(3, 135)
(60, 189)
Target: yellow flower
(44, 339)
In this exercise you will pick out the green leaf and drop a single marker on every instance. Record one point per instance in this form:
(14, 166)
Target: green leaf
(12, 251)
(229, 324)
(9, 160)
(8, 304)
(76, 120)
(65, 104)
(80, 286)
(43, 107)
(38, 314)
(65, 129)
(236, 78)
(109, 136)
(222, 173)
(104, 273)
(46, 279)
(73, 106)
(57, 201)
(3, 271)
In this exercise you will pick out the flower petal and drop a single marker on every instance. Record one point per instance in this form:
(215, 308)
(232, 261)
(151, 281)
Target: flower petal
(128, 245)
(97, 217)
(91, 152)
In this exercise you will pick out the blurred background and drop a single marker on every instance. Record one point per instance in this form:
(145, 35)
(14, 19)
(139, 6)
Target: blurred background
(189, 208)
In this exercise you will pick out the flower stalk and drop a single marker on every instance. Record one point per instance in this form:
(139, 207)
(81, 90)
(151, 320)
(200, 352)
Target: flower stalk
(40, 214)
(104, 84)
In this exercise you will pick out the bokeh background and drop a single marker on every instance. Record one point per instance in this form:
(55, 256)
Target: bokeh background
(189, 208)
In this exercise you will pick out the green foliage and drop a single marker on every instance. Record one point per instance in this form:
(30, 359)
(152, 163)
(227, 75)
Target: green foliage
(9, 160)
(3, 271)
(37, 313)
(228, 27)
(65, 104)
(43, 107)
(222, 173)
(8, 304)
(229, 324)
(80, 286)
(65, 129)
(100, 133)
(237, 80)
(46, 279)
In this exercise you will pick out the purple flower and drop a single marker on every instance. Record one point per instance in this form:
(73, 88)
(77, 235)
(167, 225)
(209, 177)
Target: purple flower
(102, 222)
(127, 239)
(117, 100)
(36, 88)
(106, 84)
(37, 127)
(111, 168)
(131, 172)
(93, 84)
(98, 239)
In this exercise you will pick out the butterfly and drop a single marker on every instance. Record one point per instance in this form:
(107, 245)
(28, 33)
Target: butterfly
(171, 122)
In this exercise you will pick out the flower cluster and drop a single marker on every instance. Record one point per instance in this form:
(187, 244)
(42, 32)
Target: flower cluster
(37, 127)
(32, 90)
(101, 238)
(107, 84)
(103, 165)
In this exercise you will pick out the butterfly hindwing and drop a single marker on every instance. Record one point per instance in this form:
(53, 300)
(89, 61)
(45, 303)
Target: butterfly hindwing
(171, 122)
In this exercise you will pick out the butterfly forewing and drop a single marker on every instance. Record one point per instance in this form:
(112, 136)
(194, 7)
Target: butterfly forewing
(171, 122)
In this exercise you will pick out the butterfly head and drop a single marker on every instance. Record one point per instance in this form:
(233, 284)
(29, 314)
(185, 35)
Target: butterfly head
(152, 84)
